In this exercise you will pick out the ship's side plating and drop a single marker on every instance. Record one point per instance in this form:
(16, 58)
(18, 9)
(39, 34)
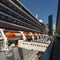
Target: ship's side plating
(18, 23)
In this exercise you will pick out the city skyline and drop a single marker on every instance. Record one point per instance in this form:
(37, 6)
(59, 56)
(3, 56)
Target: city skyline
(43, 8)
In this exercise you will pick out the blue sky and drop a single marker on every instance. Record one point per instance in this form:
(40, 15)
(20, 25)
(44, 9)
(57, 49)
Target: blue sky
(43, 8)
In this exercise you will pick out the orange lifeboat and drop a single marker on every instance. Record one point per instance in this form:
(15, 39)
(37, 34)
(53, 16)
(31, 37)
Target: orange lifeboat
(12, 34)
(26, 34)
(9, 34)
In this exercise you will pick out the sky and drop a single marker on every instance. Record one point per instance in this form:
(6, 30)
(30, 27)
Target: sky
(43, 8)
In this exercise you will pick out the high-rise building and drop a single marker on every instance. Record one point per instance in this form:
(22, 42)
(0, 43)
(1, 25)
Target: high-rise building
(50, 24)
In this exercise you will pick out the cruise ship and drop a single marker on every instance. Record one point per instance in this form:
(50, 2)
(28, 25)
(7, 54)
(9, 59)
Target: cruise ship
(21, 34)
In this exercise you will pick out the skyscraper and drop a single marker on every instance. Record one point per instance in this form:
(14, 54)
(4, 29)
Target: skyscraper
(50, 24)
